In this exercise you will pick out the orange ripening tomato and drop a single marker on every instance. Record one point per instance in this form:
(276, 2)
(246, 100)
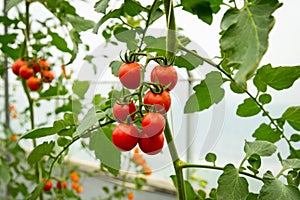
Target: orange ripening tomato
(147, 170)
(47, 76)
(11, 108)
(79, 189)
(130, 196)
(74, 177)
(13, 138)
(74, 185)
(15, 116)
(44, 64)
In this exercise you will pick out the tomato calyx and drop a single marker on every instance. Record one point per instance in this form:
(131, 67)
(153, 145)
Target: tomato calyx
(129, 57)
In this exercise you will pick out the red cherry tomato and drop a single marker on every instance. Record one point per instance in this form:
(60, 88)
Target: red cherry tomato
(47, 76)
(34, 83)
(161, 102)
(152, 124)
(122, 111)
(26, 72)
(61, 185)
(165, 76)
(125, 136)
(34, 65)
(48, 185)
(17, 65)
(130, 75)
(151, 145)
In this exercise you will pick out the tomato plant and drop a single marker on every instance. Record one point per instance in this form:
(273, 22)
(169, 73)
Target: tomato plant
(136, 116)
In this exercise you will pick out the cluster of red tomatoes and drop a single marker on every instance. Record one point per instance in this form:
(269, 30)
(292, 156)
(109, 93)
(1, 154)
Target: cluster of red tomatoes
(35, 72)
(62, 185)
(156, 101)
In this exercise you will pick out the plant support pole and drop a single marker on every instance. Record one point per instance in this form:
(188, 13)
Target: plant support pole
(6, 79)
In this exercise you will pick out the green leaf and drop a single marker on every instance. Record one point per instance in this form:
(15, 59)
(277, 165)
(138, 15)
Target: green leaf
(248, 108)
(101, 6)
(59, 42)
(295, 138)
(207, 93)
(12, 3)
(79, 23)
(5, 176)
(252, 196)
(62, 141)
(292, 116)
(88, 121)
(235, 88)
(133, 7)
(255, 161)
(267, 133)
(155, 44)
(80, 88)
(202, 8)
(231, 186)
(104, 149)
(69, 119)
(278, 78)
(292, 163)
(66, 132)
(75, 37)
(52, 91)
(58, 125)
(273, 189)
(261, 148)
(112, 14)
(244, 38)
(189, 190)
(265, 98)
(41, 150)
(188, 61)
(8, 38)
(115, 67)
(126, 35)
(211, 157)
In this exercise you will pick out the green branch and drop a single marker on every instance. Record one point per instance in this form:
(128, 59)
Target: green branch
(74, 140)
(147, 23)
(217, 66)
(171, 34)
(187, 165)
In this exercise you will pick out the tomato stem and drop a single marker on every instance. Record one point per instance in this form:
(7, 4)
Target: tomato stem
(171, 35)
(38, 168)
(177, 163)
(147, 23)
